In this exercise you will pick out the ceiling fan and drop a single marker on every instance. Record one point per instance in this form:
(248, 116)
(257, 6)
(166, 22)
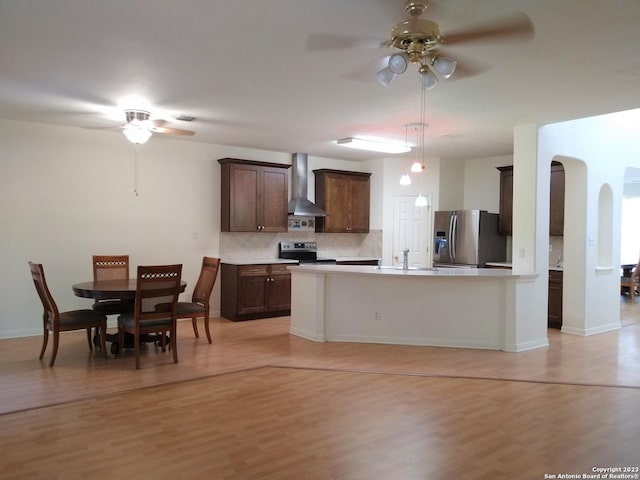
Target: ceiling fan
(140, 126)
(419, 41)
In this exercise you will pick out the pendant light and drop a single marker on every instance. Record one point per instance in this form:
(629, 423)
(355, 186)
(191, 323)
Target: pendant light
(421, 200)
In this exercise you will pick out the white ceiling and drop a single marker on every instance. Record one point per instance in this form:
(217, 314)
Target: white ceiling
(247, 72)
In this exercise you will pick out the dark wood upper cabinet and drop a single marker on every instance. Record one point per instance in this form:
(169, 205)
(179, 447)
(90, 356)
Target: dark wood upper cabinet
(253, 196)
(345, 196)
(505, 219)
(556, 200)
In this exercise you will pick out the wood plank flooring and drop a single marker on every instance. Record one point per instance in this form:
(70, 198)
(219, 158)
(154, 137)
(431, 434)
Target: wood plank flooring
(261, 404)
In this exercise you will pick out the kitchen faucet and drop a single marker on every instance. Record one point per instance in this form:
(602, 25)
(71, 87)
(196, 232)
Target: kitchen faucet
(405, 259)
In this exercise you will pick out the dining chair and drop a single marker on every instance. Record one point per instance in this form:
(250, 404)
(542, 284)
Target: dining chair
(56, 321)
(631, 282)
(155, 285)
(110, 267)
(199, 304)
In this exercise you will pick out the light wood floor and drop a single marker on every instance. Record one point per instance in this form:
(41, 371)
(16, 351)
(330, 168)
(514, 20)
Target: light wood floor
(261, 404)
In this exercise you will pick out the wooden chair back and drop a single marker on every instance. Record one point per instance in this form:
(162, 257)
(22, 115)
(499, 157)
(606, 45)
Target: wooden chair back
(51, 315)
(206, 280)
(110, 267)
(157, 285)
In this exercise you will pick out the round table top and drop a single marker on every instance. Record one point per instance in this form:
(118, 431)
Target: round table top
(104, 289)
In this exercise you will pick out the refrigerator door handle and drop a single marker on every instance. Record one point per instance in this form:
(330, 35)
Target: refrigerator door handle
(454, 234)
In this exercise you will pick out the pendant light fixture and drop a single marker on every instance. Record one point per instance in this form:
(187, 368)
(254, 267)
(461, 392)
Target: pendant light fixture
(421, 200)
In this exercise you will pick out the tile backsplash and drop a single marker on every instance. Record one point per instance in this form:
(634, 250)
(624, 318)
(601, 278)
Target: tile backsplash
(248, 246)
(556, 251)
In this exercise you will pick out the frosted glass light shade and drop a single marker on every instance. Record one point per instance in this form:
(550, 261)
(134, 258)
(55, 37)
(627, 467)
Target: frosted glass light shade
(421, 201)
(444, 66)
(136, 133)
(398, 63)
(417, 167)
(385, 76)
(405, 179)
(429, 79)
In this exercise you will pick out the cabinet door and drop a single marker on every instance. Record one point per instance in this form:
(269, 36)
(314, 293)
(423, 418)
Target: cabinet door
(252, 294)
(359, 205)
(336, 203)
(244, 190)
(554, 309)
(556, 200)
(273, 200)
(505, 220)
(280, 288)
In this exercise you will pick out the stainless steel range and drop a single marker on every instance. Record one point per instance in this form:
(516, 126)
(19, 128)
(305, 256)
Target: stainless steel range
(304, 252)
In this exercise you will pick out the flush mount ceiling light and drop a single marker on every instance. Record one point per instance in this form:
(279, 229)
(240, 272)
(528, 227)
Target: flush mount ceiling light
(372, 145)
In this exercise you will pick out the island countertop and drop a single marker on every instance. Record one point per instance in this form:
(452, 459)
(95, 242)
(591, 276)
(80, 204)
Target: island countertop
(444, 307)
(412, 272)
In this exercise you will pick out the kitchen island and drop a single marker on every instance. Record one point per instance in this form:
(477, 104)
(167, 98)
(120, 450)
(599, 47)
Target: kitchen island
(450, 307)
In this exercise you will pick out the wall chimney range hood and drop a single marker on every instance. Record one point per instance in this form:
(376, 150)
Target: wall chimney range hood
(299, 203)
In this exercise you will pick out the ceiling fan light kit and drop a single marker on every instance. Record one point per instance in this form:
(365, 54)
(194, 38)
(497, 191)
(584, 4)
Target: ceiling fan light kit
(371, 145)
(136, 133)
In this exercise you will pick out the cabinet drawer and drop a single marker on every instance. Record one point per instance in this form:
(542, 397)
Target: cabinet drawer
(253, 270)
(280, 270)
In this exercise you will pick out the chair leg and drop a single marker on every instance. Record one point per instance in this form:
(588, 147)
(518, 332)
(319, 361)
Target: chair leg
(174, 343)
(136, 343)
(120, 340)
(45, 340)
(206, 324)
(103, 340)
(56, 338)
(194, 322)
(89, 330)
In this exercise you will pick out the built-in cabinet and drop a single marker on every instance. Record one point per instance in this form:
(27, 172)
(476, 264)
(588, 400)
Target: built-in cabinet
(505, 219)
(254, 196)
(255, 291)
(554, 309)
(345, 197)
(556, 200)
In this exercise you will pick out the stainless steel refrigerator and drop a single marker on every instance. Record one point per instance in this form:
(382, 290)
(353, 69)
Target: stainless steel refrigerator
(467, 238)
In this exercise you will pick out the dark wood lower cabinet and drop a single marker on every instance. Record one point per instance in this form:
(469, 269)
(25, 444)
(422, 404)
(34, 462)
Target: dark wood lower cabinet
(255, 291)
(554, 312)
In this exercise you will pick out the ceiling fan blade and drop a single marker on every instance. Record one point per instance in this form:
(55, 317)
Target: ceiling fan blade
(170, 131)
(516, 26)
(156, 123)
(327, 41)
(467, 66)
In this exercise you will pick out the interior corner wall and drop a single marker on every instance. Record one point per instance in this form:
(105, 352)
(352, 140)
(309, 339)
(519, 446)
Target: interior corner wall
(482, 183)
(452, 184)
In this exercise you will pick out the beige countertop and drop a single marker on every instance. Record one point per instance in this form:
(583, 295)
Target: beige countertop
(260, 261)
(509, 265)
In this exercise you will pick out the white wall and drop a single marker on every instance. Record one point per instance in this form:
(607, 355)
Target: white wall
(68, 193)
(482, 183)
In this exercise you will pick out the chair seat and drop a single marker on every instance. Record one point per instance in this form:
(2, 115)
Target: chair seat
(108, 307)
(188, 308)
(80, 318)
(183, 308)
(127, 320)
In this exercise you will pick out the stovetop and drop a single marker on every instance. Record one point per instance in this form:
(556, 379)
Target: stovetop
(304, 252)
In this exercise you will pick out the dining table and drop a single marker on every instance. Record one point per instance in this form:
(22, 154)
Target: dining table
(121, 289)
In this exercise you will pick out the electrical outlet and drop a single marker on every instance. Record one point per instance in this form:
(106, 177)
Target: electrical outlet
(521, 253)
(377, 316)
